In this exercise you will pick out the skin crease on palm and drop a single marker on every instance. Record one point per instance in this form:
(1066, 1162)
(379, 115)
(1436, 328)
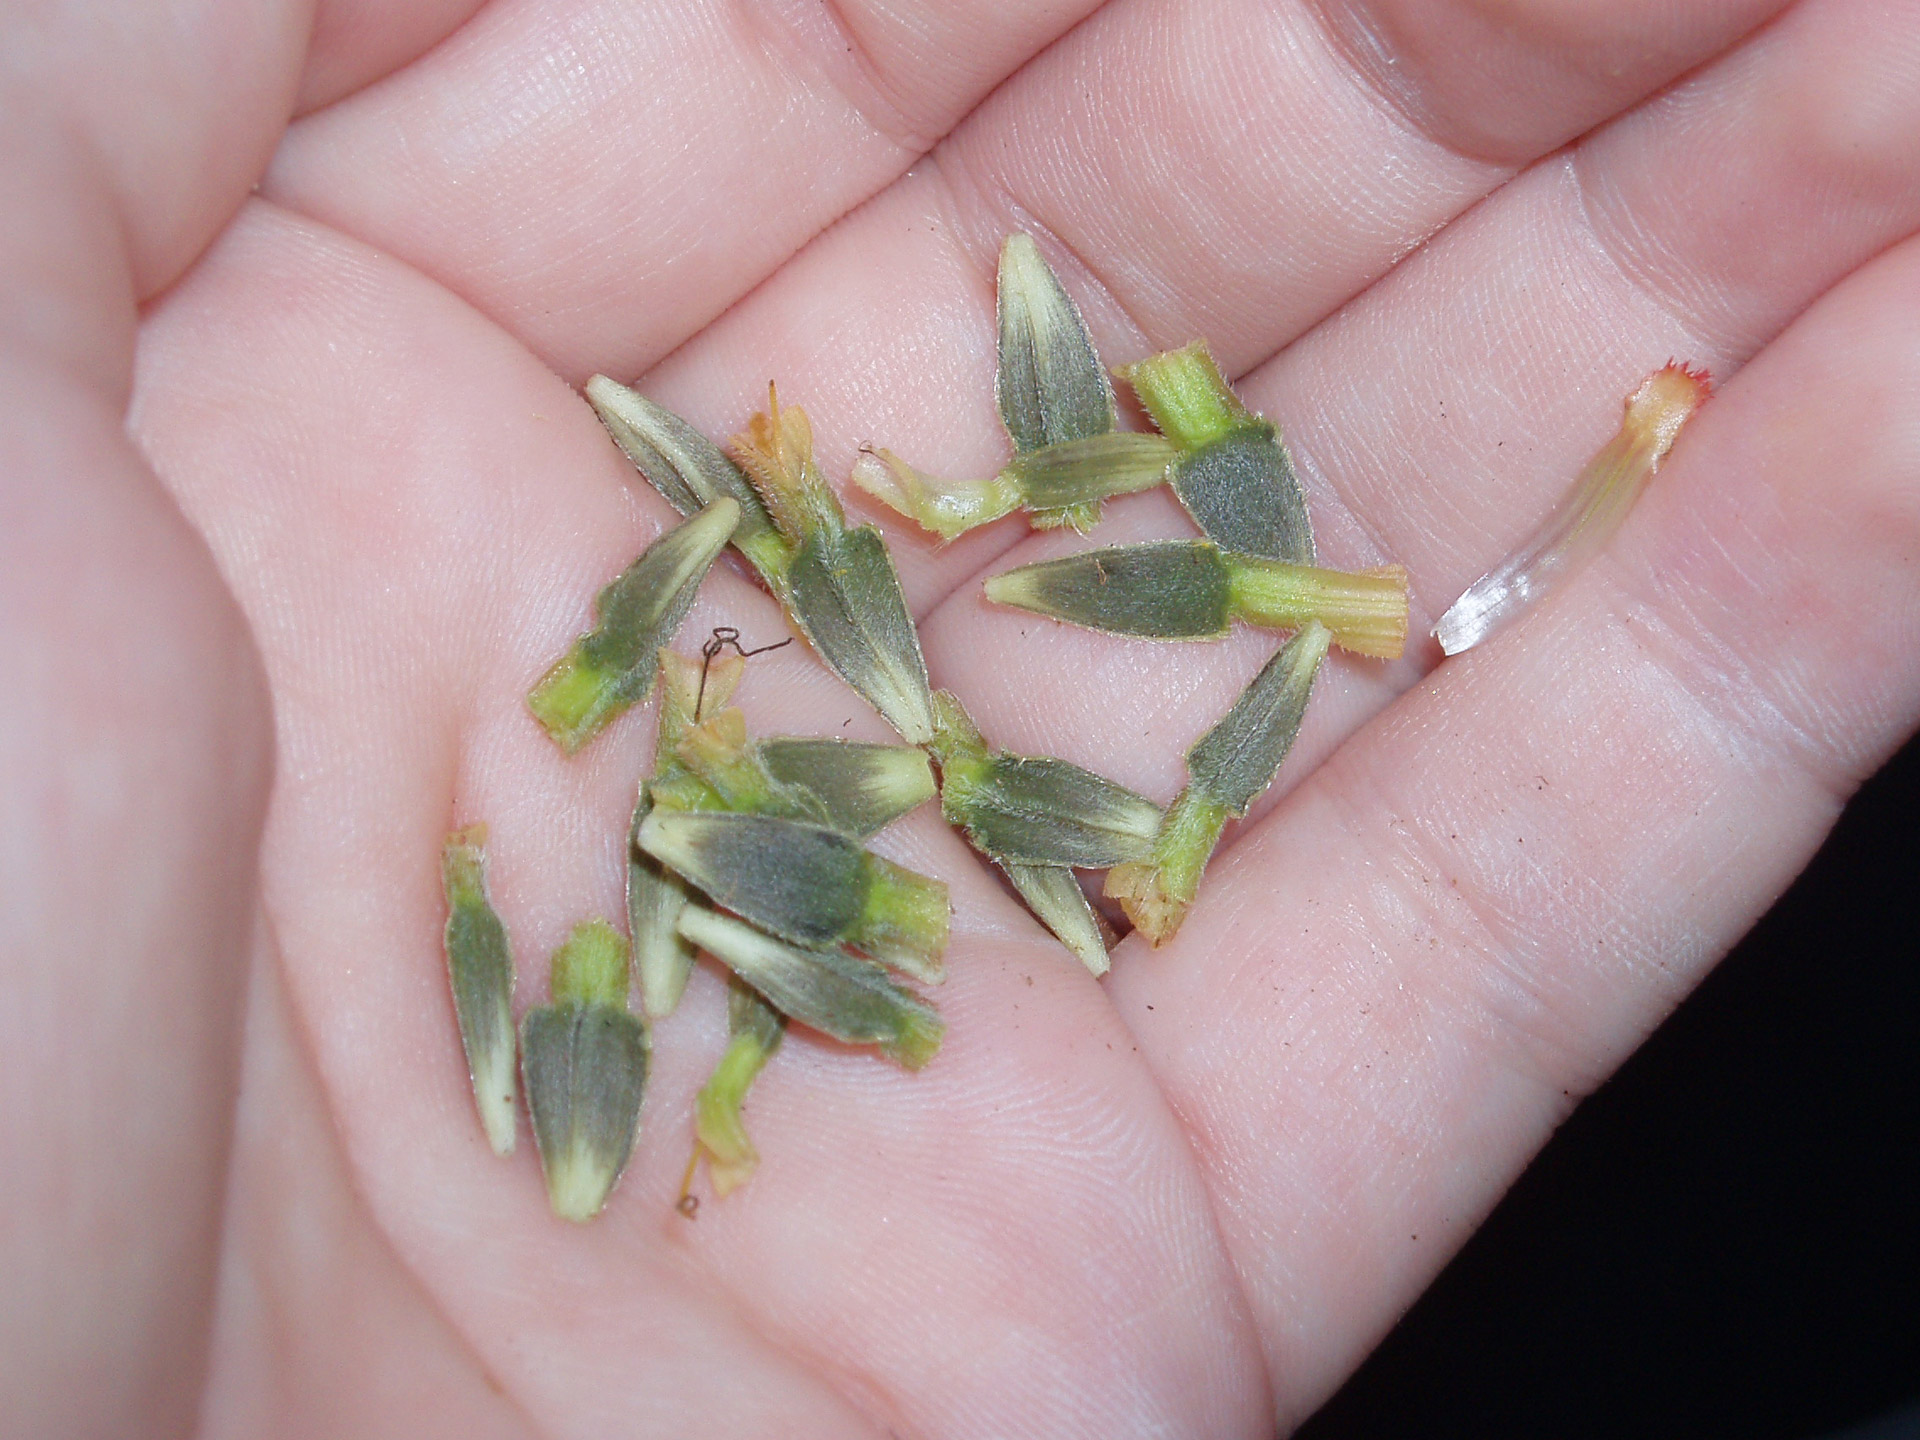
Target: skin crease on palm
(281, 622)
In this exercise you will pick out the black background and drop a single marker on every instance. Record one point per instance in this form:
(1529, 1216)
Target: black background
(1724, 1240)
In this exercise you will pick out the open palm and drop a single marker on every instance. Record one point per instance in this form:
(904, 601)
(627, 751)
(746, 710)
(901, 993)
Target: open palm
(1437, 242)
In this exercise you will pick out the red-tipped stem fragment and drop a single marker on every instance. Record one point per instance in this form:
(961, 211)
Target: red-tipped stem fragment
(1587, 518)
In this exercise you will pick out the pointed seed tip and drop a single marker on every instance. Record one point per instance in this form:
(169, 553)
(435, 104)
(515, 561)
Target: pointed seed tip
(1009, 587)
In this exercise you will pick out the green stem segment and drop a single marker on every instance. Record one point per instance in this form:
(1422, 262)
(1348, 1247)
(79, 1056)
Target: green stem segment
(1192, 590)
(1234, 476)
(1061, 484)
(1057, 404)
(612, 666)
(1227, 769)
(754, 1032)
(591, 967)
(1366, 611)
(1187, 396)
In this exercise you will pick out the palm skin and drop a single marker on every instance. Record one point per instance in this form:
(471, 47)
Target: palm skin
(1185, 1201)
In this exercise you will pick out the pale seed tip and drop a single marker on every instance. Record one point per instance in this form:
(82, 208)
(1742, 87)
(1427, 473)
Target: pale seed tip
(1665, 401)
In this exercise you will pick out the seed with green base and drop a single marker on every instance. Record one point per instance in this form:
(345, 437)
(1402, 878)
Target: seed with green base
(845, 597)
(841, 589)
(1227, 769)
(710, 767)
(854, 786)
(754, 1032)
(1033, 808)
(1191, 590)
(699, 755)
(480, 964)
(1057, 405)
(807, 883)
(612, 666)
(1234, 475)
(717, 751)
(584, 1060)
(861, 788)
(1035, 817)
(838, 994)
(689, 470)
(1051, 388)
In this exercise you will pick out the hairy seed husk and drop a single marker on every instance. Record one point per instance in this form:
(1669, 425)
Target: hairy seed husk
(1054, 894)
(584, 1062)
(861, 787)
(1164, 590)
(1039, 810)
(833, 992)
(480, 965)
(613, 665)
(586, 1071)
(1235, 476)
(807, 883)
(688, 470)
(1051, 386)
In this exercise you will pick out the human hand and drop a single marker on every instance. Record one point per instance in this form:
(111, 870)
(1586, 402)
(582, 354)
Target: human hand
(1188, 1199)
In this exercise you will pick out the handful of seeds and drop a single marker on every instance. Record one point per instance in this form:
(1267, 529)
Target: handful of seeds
(753, 851)
(1232, 474)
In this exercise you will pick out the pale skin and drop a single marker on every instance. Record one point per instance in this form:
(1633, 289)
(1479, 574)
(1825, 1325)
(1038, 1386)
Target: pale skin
(300, 500)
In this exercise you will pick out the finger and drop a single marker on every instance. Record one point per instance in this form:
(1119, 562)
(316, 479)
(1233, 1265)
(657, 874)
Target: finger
(1442, 413)
(1513, 83)
(1400, 981)
(133, 769)
(412, 557)
(354, 43)
(604, 178)
(1195, 169)
(310, 1290)
(172, 111)
(134, 748)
